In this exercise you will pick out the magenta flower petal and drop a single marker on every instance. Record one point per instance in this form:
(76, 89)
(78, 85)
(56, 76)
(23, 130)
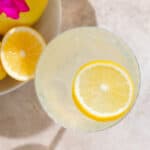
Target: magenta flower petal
(1, 10)
(12, 8)
(21, 5)
(11, 12)
(5, 2)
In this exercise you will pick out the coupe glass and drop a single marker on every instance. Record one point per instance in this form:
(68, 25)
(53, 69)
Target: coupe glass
(62, 58)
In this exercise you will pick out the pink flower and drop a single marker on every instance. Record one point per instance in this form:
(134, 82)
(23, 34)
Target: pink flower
(12, 8)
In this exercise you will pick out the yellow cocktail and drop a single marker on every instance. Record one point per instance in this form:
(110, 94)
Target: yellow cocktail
(87, 79)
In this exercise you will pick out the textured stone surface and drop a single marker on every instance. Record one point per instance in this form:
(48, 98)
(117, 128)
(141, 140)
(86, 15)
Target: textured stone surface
(23, 124)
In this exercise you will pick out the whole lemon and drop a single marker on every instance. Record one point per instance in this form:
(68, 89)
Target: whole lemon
(2, 71)
(36, 8)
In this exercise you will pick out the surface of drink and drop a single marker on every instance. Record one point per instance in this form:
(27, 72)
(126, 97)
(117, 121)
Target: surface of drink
(61, 60)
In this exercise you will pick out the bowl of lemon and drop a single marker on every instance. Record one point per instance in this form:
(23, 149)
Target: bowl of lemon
(25, 28)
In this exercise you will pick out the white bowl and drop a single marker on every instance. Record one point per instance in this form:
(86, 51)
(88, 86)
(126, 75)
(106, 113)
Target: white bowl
(49, 26)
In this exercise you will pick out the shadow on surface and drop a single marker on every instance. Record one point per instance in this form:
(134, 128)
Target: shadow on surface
(32, 147)
(21, 114)
(57, 138)
(52, 145)
(77, 13)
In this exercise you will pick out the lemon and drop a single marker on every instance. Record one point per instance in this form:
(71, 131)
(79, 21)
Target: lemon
(2, 71)
(103, 90)
(36, 7)
(20, 51)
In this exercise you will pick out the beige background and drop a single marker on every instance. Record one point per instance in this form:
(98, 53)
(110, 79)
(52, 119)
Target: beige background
(24, 125)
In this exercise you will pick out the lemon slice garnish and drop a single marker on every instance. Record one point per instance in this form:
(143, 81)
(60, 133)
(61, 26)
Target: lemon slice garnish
(103, 90)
